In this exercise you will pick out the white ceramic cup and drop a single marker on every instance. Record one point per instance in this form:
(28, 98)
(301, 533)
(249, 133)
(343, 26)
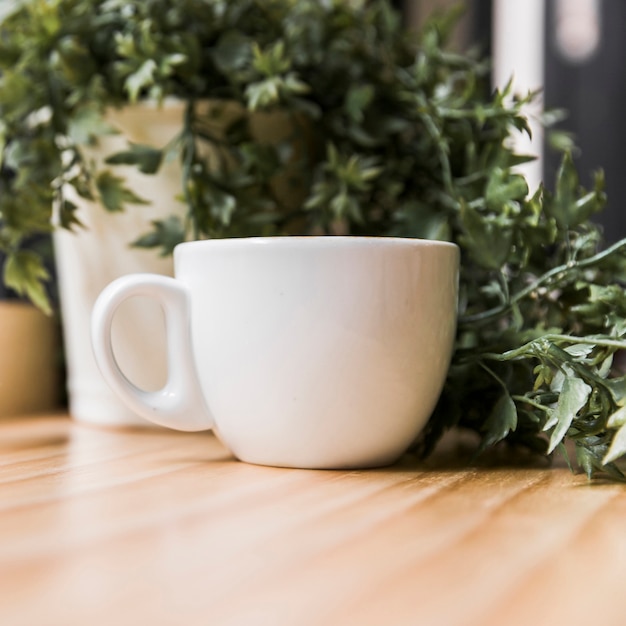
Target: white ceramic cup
(314, 352)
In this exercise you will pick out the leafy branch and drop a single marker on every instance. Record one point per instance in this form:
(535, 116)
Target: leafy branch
(374, 131)
(551, 277)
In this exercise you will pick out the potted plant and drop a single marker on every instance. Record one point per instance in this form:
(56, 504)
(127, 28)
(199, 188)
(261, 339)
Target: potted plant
(30, 352)
(385, 133)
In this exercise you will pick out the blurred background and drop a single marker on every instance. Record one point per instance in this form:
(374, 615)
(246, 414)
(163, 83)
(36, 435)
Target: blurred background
(575, 51)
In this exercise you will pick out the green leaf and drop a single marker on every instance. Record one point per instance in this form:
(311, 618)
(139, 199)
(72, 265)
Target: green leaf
(617, 419)
(561, 140)
(617, 448)
(590, 456)
(67, 214)
(344, 205)
(271, 61)
(172, 61)
(488, 240)
(25, 273)
(262, 94)
(504, 187)
(114, 194)
(222, 205)
(579, 350)
(147, 159)
(566, 187)
(501, 421)
(166, 234)
(73, 59)
(573, 397)
(571, 205)
(293, 86)
(141, 79)
(87, 124)
(358, 98)
(232, 52)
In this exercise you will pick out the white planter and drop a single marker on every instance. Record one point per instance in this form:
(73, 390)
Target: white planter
(90, 259)
(29, 366)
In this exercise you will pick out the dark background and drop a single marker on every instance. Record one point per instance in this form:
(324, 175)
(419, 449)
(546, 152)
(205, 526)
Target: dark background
(594, 94)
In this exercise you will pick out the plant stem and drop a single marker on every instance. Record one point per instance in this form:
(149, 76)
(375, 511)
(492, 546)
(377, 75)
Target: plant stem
(536, 405)
(494, 375)
(486, 316)
(523, 350)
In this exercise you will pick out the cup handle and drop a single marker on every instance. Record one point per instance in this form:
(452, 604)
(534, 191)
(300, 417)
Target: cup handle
(179, 404)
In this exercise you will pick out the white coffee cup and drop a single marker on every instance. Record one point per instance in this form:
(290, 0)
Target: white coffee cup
(313, 352)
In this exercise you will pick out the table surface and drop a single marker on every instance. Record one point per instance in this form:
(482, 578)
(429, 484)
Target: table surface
(154, 527)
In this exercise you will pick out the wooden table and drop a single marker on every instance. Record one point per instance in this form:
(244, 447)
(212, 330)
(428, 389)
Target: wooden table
(149, 527)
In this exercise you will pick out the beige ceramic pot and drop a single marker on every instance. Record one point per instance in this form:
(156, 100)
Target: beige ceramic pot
(29, 360)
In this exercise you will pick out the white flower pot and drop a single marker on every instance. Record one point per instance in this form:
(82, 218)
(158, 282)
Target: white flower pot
(88, 259)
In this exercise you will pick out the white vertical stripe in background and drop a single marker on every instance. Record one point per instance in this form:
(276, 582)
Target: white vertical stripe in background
(518, 52)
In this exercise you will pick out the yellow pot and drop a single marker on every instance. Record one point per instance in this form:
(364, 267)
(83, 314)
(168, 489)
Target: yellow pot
(29, 367)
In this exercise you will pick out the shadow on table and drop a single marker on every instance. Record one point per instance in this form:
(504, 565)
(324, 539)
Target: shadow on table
(457, 451)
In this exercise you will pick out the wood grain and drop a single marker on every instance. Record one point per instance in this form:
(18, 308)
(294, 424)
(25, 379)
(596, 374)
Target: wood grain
(153, 527)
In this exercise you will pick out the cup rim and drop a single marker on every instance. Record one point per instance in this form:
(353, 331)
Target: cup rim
(316, 240)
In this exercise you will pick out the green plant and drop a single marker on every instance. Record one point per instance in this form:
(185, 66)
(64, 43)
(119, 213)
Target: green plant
(388, 134)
